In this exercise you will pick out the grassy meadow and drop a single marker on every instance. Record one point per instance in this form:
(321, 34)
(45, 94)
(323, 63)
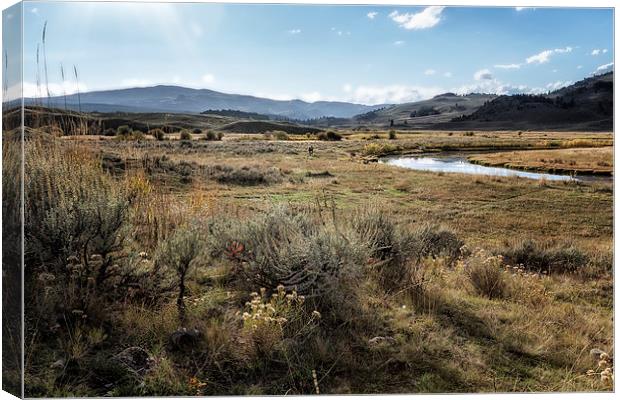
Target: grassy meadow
(195, 263)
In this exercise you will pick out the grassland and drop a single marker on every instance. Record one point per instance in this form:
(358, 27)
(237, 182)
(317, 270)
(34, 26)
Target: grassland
(298, 274)
(597, 161)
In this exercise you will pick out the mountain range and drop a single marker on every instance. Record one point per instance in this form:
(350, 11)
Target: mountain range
(176, 99)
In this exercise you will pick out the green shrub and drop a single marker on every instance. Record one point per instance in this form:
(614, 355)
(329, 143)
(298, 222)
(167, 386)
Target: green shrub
(247, 175)
(157, 134)
(329, 136)
(294, 249)
(185, 135)
(392, 135)
(436, 241)
(212, 135)
(545, 257)
(123, 130)
(280, 135)
(197, 131)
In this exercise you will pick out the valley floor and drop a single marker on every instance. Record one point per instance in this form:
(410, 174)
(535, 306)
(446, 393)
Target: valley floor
(445, 282)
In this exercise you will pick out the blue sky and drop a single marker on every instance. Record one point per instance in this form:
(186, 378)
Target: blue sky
(365, 54)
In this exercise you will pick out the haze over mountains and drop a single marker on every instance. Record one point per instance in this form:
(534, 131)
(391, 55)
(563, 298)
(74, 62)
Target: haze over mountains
(176, 99)
(585, 105)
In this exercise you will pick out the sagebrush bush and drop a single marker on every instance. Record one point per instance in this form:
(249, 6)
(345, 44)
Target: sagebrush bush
(329, 136)
(72, 209)
(293, 249)
(185, 135)
(392, 135)
(546, 257)
(247, 175)
(157, 133)
(436, 241)
(213, 135)
(179, 253)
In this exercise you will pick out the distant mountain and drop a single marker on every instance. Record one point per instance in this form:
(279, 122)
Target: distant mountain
(441, 108)
(176, 99)
(585, 105)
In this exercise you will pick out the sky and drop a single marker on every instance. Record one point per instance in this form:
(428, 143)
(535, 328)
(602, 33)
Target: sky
(363, 54)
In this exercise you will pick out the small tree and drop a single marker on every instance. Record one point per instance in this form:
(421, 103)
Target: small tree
(197, 131)
(179, 253)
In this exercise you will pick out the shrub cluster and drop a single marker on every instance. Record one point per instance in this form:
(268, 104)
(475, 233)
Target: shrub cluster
(329, 136)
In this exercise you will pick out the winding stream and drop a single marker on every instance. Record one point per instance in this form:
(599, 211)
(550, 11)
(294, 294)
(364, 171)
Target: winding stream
(460, 164)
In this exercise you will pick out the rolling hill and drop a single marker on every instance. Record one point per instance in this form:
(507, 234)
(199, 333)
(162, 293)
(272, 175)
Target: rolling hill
(422, 114)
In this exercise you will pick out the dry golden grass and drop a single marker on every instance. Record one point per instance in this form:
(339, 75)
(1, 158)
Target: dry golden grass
(581, 160)
(535, 336)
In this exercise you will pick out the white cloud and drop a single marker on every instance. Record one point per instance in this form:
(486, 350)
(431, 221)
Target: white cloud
(294, 31)
(507, 66)
(311, 97)
(399, 43)
(579, 66)
(492, 86)
(447, 74)
(524, 8)
(208, 78)
(596, 52)
(558, 85)
(56, 89)
(483, 74)
(545, 56)
(347, 87)
(605, 67)
(34, 10)
(392, 94)
(425, 19)
(430, 72)
(372, 14)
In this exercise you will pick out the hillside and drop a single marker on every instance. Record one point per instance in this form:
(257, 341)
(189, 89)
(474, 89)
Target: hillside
(441, 108)
(585, 105)
(176, 99)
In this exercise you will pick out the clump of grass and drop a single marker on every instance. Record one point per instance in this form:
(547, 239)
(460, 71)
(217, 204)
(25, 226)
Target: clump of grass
(380, 149)
(486, 274)
(392, 135)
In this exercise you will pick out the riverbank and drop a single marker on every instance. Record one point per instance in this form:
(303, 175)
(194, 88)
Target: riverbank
(588, 161)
